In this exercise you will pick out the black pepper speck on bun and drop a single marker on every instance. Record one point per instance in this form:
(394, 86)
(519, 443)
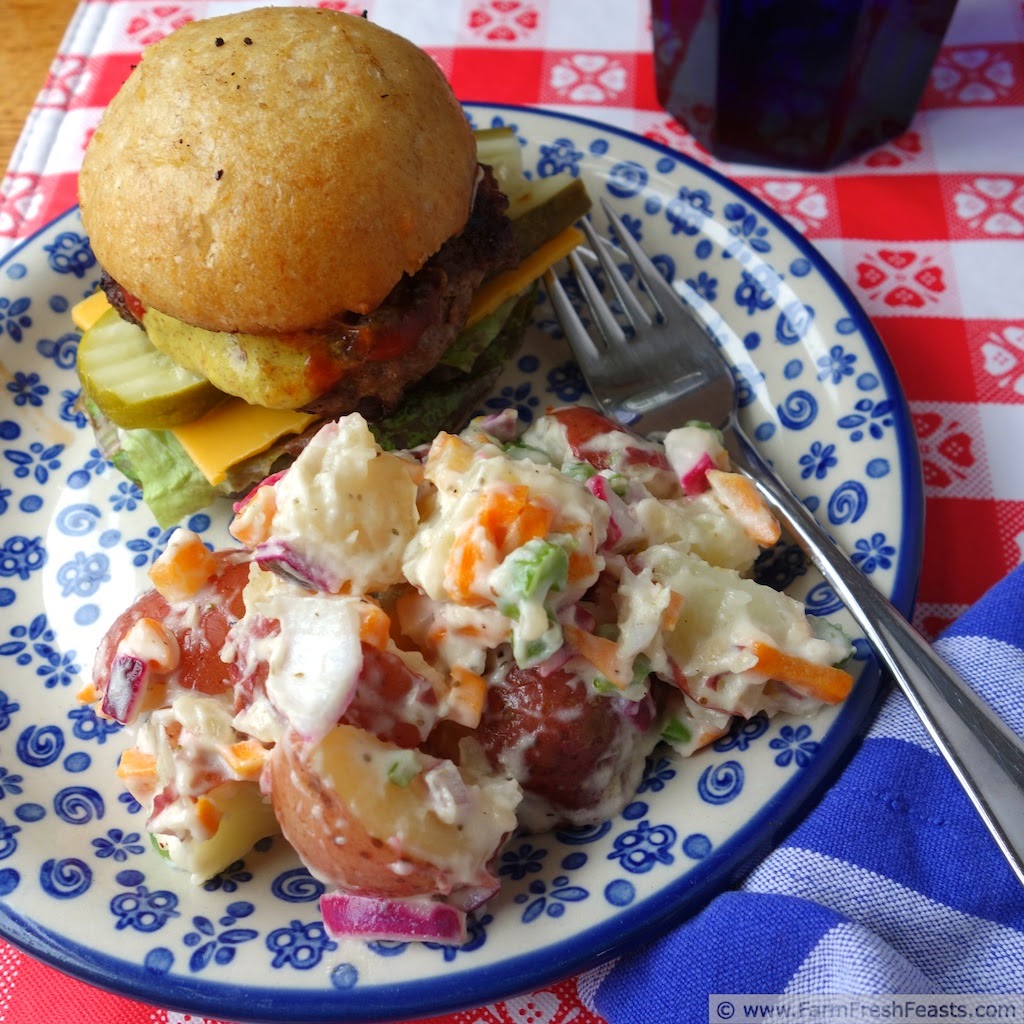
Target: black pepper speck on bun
(264, 188)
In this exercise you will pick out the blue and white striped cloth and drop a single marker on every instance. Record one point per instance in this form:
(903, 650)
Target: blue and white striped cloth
(890, 885)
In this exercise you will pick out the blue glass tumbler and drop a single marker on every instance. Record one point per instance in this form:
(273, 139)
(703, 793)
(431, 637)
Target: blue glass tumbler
(804, 84)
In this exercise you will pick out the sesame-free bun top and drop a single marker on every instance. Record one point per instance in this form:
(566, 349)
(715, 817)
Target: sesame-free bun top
(264, 171)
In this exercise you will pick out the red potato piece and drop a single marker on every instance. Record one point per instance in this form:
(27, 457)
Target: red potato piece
(359, 832)
(571, 748)
(391, 701)
(583, 425)
(200, 637)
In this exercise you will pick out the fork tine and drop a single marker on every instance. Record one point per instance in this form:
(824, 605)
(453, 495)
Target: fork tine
(580, 341)
(661, 292)
(603, 316)
(634, 310)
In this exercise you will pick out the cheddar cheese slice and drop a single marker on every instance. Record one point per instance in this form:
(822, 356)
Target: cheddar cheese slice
(235, 431)
(491, 294)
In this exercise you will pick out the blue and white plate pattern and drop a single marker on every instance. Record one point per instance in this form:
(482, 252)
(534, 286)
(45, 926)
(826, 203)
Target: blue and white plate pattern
(80, 886)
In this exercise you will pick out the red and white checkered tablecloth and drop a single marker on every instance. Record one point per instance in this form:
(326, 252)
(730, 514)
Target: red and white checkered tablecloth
(928, 231)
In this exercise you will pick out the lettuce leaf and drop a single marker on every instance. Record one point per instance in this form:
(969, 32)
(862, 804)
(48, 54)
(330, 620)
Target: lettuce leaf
(174, 487)
(443, 400)
(473, 341)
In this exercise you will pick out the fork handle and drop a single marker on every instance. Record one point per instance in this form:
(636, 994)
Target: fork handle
(984, 754)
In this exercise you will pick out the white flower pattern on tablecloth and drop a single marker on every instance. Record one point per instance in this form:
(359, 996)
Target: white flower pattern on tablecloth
(946, 449)
(992, 205)
(904, 149)
(1003, 358)
(20, 201)
(543, 1007)
(900, 278)
(504, 21)
(589, 78)
(973, 74)
(802, 203)
(151, 24)
(345, 6)
(69, 77)
(669, 132)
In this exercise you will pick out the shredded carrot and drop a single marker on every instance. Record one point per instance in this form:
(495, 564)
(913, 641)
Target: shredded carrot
(374, 625)
(581, 566)
(182, 570)
(679, 677)
(740, 497)
(602, 653)
(464, 561)
(136, 766)
(708, 734)
(670, 616)
(467, 697)
(209, 814)
(246, 759)
(508, 518)
(252, 525)
(87, 694)
(533, 520)
(500, 511)
(413, 612)
(823, 682)
(154, 697)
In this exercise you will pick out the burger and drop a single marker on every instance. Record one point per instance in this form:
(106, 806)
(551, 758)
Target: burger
(294, 223)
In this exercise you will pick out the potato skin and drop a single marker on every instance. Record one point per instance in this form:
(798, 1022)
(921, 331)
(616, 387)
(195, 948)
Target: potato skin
(200, 640)
(313, 817)
(569, 748)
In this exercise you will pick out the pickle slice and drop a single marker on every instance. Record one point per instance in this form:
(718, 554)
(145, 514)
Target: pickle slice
(500, 150)
(545, 209)
(136, 385)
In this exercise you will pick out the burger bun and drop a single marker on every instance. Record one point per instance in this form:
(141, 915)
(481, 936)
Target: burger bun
(262, 172)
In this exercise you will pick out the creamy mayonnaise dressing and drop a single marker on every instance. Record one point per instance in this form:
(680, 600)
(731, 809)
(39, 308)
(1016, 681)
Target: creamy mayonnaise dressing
(495, 632)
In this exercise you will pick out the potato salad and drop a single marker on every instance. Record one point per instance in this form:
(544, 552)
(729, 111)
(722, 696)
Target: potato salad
(413, 654)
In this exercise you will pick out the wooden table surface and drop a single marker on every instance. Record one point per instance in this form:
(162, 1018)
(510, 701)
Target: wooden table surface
(30, 34)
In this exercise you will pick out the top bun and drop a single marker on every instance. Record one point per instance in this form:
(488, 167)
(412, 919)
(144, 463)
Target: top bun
(264, 171)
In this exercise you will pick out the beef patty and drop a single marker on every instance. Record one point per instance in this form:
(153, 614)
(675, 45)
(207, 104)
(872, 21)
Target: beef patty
(394, 346)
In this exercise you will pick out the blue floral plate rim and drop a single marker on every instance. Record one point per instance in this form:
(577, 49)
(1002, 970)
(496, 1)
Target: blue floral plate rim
(644, 919)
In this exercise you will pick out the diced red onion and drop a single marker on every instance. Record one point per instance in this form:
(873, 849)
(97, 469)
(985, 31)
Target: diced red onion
(265, 482)
(598, 486)
(622, 527)
(576, 615)
(639, 713)
(447, 790)
(417, 918)
(551, 665)
(127, 684)
(164, 801)
(279, 556)
(695, 480)
(472, 897)
(614, 534)
(679, 677)
(502, 426)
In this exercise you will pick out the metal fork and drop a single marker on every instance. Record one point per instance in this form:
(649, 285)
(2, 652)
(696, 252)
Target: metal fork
(666, 369)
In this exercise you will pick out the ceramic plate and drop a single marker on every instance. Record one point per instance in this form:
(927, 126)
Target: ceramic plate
(81, 887)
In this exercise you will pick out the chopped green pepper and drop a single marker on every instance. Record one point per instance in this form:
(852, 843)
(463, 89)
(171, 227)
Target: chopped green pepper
(675, 731)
